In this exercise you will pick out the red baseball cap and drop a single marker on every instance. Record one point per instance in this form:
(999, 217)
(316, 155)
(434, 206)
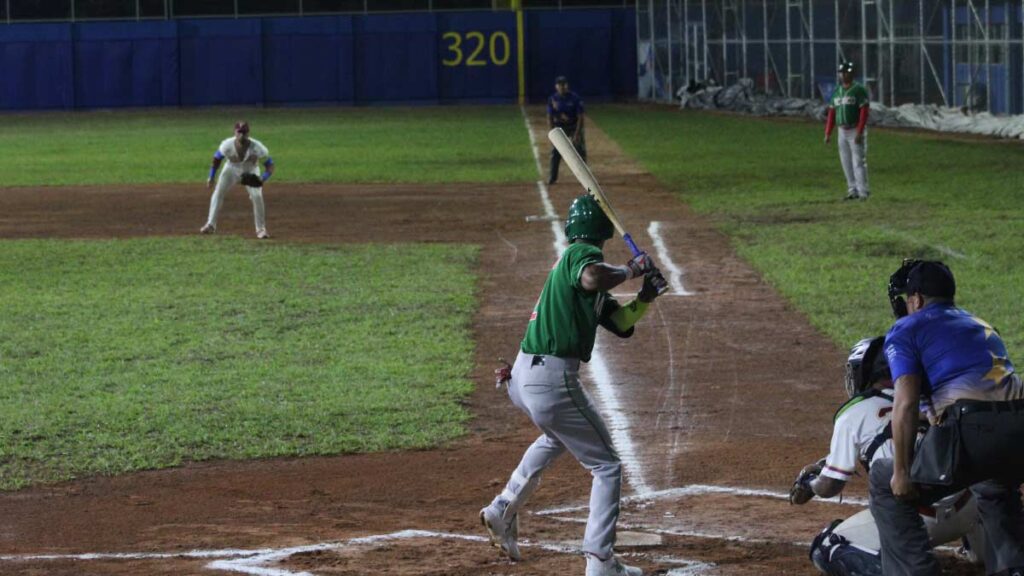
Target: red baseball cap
(242, 126)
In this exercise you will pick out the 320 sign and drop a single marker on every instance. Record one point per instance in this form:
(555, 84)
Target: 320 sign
(477, 49)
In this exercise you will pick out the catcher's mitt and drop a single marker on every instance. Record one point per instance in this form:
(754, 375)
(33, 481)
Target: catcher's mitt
(801, 491)
(252, 180)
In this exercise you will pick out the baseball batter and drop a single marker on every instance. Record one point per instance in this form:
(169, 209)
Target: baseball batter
(243, 156)
(545, 384)
(849, 107)
(862, 434)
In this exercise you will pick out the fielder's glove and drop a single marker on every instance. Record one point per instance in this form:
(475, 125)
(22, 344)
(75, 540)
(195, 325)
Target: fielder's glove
(641, 264)
(654, 286)
(252, 180)
(801, 491)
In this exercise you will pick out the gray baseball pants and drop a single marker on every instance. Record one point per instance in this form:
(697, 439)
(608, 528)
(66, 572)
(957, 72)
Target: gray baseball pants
(905, 547)
(854, 158)
(547, 389)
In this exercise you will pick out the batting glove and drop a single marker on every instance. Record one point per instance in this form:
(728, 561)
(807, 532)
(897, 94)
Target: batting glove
(641, 264)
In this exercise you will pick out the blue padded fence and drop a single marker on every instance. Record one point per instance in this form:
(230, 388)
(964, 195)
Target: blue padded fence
(349, 60)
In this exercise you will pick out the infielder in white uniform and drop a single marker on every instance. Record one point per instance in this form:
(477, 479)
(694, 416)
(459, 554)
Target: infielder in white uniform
(243, 156)
(862, 434)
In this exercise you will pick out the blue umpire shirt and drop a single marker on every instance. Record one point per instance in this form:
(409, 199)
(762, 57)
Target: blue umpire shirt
(565, 110)
(956, 354)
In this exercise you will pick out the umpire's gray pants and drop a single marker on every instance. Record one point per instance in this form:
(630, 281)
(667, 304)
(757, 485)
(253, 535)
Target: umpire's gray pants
(854, 158)
(905, 547)
(547, 389)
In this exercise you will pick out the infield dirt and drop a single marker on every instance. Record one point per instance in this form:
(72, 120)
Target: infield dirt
(727, 387)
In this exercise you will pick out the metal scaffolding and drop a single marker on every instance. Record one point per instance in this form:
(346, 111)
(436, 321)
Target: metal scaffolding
(959, 53)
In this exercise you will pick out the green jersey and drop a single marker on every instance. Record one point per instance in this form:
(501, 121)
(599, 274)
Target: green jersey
(848, 102)
(564, 321)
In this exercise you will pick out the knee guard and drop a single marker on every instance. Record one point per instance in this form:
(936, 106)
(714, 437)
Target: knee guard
(833, 555)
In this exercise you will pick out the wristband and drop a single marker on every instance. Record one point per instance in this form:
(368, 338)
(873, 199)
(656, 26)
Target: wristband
(213, 170)
(265, 176)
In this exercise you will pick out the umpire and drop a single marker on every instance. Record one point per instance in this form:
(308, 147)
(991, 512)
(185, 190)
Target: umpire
(565, 111)
(952, 367)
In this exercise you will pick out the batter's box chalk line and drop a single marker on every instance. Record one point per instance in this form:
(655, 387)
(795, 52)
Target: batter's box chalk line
(256, 561)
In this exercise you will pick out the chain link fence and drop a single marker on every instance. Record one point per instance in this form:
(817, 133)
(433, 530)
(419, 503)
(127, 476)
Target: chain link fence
(966, 54)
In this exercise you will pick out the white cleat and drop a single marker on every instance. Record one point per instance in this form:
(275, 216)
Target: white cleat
(208, 229)
(262, 235)
(504, 533)
(610, 567)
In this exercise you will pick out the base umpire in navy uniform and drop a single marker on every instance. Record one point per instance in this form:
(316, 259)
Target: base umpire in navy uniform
(565, 111)
(952, 367)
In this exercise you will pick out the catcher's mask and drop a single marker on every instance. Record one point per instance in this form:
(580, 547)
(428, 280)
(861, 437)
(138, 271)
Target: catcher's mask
(927, 277)
(587, 221)
(845, 66)
(866, 365)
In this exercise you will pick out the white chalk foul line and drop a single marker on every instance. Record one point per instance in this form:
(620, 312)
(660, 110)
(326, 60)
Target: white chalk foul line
(255, 561)
(699, 490)
(675, 273)
(604, 388)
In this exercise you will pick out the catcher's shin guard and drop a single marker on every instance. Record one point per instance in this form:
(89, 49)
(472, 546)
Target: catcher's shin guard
(834, 555)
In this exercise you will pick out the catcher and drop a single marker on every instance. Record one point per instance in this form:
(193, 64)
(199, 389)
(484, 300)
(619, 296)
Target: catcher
(243, 155)
(862, 433)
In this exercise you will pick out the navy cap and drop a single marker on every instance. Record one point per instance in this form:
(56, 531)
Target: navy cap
(561, 80)
(931, 278)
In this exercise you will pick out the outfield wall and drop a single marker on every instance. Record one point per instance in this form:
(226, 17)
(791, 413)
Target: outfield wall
(416, 58)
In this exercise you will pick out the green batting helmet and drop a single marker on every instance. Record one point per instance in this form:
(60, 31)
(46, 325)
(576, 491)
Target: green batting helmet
(587, 221)
(846, 66)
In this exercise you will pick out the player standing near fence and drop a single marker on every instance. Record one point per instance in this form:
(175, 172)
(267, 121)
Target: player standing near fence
(565, 111)
(243, 155)
(849, 107)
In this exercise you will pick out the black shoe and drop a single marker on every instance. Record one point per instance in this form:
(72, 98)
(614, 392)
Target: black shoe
(552, 181)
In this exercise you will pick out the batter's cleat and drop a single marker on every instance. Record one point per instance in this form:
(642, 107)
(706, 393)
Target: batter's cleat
(262, 235)
(504, 533)
(610, 567)
(208, 229)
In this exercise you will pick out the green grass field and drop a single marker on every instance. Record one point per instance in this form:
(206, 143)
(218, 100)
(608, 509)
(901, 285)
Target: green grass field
(427, 145)
(776, 189)
(123, 355)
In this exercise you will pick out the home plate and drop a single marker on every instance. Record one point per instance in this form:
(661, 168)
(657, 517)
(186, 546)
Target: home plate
(627, 540)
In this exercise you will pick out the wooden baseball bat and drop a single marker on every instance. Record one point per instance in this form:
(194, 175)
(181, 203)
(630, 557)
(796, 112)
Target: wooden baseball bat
(586, 177)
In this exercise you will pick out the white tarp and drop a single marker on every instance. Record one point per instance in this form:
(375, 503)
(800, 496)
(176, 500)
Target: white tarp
(741, 97)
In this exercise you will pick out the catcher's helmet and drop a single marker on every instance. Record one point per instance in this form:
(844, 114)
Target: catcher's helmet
(845, 66)
(866, 365)
(928, 277)
(587, 221)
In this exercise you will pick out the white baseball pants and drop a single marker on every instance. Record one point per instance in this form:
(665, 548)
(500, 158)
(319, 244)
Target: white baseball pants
(547, 389)
(230, 176)
(854, 158)
(946, 521)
